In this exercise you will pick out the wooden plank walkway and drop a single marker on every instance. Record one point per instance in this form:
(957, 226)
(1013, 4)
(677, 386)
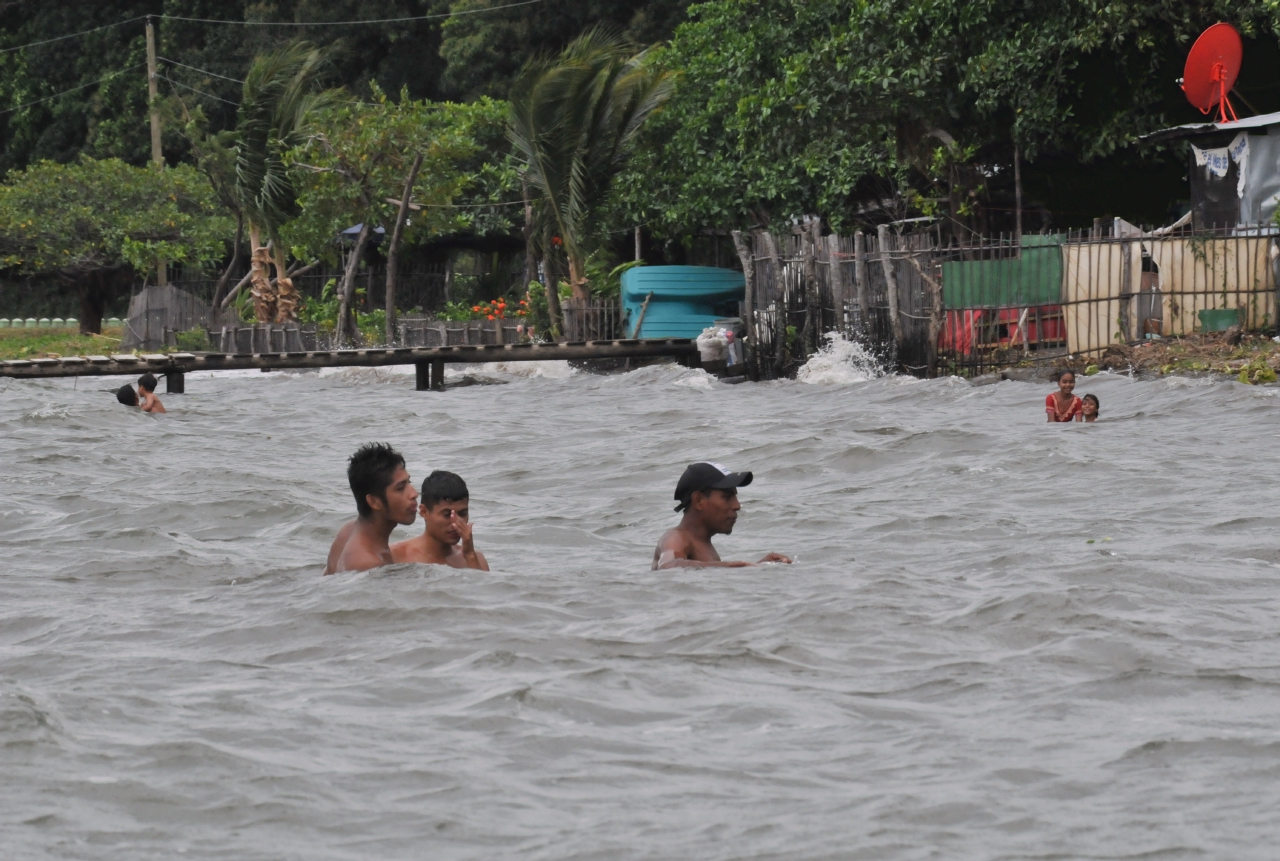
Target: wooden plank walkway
(429, 361)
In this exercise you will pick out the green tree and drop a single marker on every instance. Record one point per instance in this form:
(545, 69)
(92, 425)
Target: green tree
(88, 94)
(484, 53)
(573, 118)
(866, 110)
(355, 164)
(95, 224)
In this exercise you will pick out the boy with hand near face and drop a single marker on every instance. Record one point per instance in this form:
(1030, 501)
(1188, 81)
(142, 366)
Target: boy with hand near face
(445, 508)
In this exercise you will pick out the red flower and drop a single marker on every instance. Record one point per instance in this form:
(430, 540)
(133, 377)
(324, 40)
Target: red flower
(556, 241)
(490, 316)
(475, 307)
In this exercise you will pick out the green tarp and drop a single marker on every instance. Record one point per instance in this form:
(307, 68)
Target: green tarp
(1033, 279)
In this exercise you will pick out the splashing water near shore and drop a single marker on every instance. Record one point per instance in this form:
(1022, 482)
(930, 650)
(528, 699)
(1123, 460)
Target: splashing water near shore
(840, 362)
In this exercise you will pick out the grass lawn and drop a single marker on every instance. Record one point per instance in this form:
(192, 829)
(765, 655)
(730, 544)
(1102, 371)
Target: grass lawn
(55, 343)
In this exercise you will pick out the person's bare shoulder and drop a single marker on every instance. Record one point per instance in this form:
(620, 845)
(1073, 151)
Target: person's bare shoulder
(405, 551)
(360, 554)
(674, 544)
(339, 544)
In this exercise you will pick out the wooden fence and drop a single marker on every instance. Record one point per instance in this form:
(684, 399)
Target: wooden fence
(427, 332)
(927, 308)
(882, 290)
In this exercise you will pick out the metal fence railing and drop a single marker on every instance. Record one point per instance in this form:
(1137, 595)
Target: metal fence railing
(591, 320)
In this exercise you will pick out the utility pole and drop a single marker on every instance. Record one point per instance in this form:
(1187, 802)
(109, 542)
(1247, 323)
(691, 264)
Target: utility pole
(157, 156)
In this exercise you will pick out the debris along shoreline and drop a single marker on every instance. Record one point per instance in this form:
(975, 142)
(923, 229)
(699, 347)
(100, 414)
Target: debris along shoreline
(1252, 359)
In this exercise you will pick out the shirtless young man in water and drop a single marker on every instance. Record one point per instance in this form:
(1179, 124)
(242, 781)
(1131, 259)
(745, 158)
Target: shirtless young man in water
(446, 510)
(708, 496)
(385, 498)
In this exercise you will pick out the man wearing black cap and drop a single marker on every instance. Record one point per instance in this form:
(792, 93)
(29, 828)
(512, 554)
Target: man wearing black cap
(708, 496)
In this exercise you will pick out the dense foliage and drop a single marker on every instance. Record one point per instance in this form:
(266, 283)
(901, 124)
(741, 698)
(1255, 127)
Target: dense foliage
(439, 58)
(573, 118)
(92, 223)
(352, 168)
(867, 109)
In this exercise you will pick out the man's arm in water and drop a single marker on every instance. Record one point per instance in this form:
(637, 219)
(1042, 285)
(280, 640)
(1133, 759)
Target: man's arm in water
(677, 550)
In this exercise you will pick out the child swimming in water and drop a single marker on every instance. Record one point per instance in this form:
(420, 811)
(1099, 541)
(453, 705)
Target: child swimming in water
(127, 396)
(147, 395)
(1062, 405)
(1088, 409)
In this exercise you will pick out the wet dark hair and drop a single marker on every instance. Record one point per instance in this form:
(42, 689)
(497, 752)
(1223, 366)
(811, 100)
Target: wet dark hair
(127, 396)
(1093, 398)
(1058, 375)
(148, 382)
(369, 471)
(441, 486)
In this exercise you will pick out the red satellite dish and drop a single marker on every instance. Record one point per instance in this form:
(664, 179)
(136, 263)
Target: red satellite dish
(1212, 68)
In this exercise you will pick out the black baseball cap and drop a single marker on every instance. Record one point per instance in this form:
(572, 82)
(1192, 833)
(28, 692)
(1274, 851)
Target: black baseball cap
(708, 475)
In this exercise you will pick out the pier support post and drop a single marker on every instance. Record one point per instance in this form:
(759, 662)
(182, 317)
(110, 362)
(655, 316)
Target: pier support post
(437, 375)
(175, 383)
(422, 374)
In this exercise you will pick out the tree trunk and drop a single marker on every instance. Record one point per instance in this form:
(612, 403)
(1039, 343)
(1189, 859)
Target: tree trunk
(530, 261)
(553, 298)
(264, 298)
(748, 296)
(286, 293)
(235, 261)
(93, 302)
(578, 279)
(813, 293)
(860, 276)
(891, 283)
(393, 247)
(348, 286)
(781, 346)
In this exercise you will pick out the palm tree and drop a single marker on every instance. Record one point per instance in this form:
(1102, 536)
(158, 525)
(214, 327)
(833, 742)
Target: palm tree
(279, 98)
(573, 118)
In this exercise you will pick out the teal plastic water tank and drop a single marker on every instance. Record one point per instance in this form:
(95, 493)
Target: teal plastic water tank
(685, 300)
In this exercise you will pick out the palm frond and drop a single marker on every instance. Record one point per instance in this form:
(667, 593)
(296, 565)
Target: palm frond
(279, 96)
(573, 118)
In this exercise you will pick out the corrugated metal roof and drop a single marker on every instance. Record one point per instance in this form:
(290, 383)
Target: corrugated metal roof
(1193, 129)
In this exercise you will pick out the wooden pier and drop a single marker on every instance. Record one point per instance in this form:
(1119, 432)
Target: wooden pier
(429, 361)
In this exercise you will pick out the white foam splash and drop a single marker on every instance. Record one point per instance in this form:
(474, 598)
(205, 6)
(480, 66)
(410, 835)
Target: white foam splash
(551, 370)
(696, 379)
(840, 362)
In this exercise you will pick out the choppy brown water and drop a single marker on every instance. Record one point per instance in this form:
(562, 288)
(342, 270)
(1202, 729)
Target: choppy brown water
(949, 671)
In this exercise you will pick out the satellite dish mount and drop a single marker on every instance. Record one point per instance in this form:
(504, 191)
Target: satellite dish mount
(1211, 71)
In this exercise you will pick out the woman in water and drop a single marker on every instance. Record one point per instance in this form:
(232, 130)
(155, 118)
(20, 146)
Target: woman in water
(1062, 405)
(1088, 409)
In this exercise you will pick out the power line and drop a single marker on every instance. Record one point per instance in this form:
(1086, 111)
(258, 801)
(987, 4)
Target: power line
(348, 23)
(266, 23)
(72, 35)
(199, 92)
(201, 71)
(73, 89)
